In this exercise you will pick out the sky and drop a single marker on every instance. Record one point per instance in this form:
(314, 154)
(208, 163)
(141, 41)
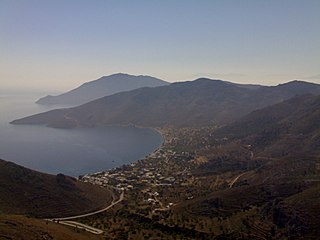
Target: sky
(56, 45)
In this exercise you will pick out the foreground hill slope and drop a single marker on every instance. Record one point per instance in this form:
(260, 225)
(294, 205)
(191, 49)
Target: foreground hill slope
(192, 103)
(24, 191)
(104, 86)
(20, 228)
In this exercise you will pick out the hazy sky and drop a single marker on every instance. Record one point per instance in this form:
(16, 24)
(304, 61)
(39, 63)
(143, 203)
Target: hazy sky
(59, 44)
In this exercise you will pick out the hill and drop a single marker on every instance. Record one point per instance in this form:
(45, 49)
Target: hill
(27, 192)
(291, 126)
(20, 227)
(272, 155)
(193, 103)
(104, 86)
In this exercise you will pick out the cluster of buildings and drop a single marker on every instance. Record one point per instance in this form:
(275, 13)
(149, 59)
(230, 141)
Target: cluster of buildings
(161, 169)
(157, 169)
(151, 178)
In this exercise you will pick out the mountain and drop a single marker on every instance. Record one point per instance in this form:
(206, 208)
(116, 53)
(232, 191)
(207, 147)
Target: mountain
(285, 128)
(104, 86)
(272, 156)
(27, 192)
(180, 104)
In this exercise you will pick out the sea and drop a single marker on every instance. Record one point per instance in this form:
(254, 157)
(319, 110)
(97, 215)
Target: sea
(72, 152)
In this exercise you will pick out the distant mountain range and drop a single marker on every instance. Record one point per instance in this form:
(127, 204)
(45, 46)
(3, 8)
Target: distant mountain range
(28, 192)
(180, 104)
(104, 86)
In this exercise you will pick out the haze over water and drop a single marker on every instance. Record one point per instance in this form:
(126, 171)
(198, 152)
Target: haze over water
(68, 151)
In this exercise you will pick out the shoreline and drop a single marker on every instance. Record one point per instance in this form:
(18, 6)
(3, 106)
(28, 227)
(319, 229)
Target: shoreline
(155, 129)
(151, 139)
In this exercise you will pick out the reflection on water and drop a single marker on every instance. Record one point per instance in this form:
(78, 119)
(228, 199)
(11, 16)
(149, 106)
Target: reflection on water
(70, 151)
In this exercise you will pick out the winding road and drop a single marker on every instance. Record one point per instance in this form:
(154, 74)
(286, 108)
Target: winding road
(236, 179)
(66, 220)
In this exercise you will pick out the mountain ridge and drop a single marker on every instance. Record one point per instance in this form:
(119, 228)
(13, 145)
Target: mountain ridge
(197, 102)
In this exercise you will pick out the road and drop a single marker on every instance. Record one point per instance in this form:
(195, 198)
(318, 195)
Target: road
(92, 213)
(65, 220)
(216, 182)
(236, 179)
(82, 226)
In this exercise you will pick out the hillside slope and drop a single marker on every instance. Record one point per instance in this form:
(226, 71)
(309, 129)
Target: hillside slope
(288, 127)
(273, 156)
(197, 102)
(20, 228)
(104, 86)
(24, 191)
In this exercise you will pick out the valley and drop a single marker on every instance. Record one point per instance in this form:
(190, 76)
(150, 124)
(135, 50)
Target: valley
(217, 189)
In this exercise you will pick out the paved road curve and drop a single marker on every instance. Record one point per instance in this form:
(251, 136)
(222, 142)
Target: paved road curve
(65, 220)
(82, 226)
(92, 213)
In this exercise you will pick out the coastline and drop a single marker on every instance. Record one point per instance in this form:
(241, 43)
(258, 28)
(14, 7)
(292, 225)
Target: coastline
(85, 154)
(155, 129)
(25, 130)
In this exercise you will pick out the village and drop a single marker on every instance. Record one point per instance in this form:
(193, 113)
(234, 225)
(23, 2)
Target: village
(150, 177)
(155, 185)
(153, 171)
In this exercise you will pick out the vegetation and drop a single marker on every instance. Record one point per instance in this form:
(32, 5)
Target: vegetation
(24, 191)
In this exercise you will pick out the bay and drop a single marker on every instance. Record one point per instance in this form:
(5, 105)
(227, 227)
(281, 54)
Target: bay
(68, 151)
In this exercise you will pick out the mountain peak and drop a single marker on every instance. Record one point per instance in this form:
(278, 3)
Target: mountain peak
(297, 82)
(101, 87)
(126, 75)
(299, 87)
(119, 75)
(204, 79)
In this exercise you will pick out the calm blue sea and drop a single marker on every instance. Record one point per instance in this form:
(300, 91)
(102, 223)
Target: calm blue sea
(72, 151)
